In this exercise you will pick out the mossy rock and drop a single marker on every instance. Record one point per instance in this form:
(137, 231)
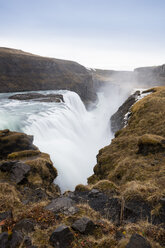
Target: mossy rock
(43, 168)
(82, 188)
(106, 186)
(11, 142)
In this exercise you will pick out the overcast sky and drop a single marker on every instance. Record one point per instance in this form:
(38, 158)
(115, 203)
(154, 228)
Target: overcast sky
(110, 34)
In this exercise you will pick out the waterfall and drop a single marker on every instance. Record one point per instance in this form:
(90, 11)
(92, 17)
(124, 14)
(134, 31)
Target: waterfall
(69, 133)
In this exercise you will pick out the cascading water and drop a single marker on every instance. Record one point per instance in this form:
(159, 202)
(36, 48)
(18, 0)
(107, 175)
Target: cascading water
(67, 131)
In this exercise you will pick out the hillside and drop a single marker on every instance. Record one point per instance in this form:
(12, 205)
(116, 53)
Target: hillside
(21, 71)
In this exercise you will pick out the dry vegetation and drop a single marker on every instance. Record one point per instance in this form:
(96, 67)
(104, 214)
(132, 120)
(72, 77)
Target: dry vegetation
(125, 164)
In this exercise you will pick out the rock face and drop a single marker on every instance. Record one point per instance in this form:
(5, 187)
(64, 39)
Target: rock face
(20, 71)
(143, 77)
(83, 225)
(151, 76)
(38, 97)
(118, 120)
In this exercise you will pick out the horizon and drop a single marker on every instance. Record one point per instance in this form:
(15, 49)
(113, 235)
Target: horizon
(110, 35)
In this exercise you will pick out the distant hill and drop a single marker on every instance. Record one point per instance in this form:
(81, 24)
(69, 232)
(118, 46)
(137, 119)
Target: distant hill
(140, 77)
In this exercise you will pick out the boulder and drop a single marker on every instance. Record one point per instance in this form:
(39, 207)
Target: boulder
(138, 241)
(19, 172)
(60, 204)
(61, 237)
(84, 225)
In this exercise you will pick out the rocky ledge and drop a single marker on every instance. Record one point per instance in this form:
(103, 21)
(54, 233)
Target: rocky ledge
(38, 97)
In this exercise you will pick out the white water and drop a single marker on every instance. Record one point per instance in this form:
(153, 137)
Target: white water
(67, 131)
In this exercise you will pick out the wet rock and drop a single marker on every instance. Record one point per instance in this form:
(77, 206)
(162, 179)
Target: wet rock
(118, 119)
(19, 171)
(16, 239)
(84, 225)
(24, 225)
(61, 237)
(138, 241)
(4, 242)
(60, 204)
(38, 97)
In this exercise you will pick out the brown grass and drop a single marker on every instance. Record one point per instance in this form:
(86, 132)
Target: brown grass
(120, 161)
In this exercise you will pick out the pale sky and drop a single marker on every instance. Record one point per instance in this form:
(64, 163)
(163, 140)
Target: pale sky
(107, 34)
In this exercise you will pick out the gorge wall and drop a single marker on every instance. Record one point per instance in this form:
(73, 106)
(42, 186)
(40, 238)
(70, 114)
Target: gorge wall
(143, 77)
(20, 71)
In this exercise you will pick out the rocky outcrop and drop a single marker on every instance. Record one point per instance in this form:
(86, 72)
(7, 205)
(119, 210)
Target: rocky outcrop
(11, 142)
(119, 119)
(38, 97)
(20, 71)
